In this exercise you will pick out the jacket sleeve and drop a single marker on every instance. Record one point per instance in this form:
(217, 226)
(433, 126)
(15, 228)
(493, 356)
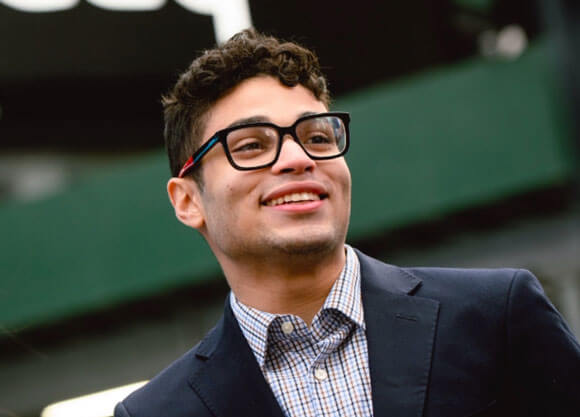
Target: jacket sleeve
(121, 411)
(544, 355)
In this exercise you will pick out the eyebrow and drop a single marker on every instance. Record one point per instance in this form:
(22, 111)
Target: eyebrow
(246, 120)
(264, 119)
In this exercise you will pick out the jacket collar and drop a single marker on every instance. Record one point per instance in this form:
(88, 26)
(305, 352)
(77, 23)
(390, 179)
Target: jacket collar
(400, 337)
(228, 379)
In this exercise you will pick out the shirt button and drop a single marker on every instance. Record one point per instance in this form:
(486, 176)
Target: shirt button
(320, 374)
(287, 328)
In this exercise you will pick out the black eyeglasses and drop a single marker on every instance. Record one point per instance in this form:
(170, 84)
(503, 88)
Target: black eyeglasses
(257, 145)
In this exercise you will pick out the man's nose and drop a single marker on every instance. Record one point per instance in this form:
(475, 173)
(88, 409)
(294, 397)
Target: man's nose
(292, 158)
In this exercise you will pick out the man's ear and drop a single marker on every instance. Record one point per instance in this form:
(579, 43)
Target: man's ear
(185, 198)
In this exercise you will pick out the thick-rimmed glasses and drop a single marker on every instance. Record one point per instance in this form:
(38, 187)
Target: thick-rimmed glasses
(257, 145)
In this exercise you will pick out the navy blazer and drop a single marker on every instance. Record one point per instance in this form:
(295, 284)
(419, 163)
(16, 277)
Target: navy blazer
(442, 343)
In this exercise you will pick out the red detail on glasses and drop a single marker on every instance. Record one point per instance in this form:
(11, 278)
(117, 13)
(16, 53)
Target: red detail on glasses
(186, 167)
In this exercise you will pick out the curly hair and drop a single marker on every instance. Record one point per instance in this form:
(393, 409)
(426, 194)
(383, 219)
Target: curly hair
(213, 74)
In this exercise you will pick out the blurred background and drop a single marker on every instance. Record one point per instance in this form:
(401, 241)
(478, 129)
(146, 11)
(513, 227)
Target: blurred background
(465, 139)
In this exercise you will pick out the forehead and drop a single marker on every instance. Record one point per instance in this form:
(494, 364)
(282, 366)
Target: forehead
(263, 98)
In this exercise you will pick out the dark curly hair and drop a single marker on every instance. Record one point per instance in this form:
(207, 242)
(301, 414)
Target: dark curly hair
(213, 74)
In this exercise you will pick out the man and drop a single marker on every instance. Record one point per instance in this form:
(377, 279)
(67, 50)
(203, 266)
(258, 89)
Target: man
(313, 327)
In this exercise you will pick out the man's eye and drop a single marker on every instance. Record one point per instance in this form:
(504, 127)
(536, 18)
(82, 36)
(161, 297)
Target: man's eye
(319, 140)
(248, 146)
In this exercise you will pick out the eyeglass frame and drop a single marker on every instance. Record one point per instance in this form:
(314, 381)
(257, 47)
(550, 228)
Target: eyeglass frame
(221, 137)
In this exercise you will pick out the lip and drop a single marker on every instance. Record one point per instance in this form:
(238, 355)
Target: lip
(298, 208)
(296, 187)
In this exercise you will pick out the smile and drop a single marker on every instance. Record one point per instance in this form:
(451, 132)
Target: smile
(294, 198)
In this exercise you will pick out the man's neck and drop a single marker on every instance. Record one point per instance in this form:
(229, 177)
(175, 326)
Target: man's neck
(290, 287)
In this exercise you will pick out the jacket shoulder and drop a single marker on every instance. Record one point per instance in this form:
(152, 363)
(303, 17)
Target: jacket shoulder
(440, 283)
(169, 393)
(468, 280)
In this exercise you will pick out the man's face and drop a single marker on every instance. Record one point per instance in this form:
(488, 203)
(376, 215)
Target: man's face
(242, 211)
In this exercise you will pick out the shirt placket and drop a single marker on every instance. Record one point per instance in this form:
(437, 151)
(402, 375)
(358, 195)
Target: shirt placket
(319, 374)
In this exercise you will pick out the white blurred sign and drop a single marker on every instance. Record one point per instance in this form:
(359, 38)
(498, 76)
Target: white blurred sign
(99, 404)
(229, 16)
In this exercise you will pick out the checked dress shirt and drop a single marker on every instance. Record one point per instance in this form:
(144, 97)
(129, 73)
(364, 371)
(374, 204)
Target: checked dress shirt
(318, 371)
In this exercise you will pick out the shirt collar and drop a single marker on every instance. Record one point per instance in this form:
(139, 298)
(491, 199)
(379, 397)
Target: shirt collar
(344, 296)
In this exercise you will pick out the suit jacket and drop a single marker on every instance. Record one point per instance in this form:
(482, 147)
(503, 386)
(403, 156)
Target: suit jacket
(441, 342)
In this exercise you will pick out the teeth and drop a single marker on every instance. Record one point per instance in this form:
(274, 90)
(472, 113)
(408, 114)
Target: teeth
(292, 198)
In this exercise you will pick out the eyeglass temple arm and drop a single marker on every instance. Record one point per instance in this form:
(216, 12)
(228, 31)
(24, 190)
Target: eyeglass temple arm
(197, 156)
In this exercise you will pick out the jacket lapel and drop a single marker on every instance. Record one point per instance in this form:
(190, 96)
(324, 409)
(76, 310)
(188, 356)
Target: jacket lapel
(400, 334)
(228, 379)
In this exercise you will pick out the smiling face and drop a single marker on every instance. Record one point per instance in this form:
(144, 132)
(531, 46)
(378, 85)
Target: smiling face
(296, 206)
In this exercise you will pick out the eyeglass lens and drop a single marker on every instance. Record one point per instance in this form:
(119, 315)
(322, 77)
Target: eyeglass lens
(320, 137)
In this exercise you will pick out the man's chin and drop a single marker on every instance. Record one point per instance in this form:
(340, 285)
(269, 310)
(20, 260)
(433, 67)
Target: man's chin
(311, 245)
(306, 248)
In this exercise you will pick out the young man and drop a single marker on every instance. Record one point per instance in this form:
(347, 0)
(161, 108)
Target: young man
(313, 327)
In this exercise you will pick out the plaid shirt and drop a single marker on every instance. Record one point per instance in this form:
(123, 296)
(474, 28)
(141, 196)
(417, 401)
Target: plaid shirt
(318, 371)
